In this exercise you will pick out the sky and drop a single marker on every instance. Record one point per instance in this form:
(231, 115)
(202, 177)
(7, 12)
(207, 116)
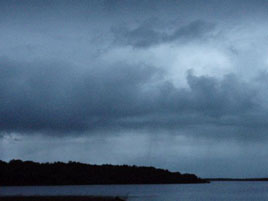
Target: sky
(179, 85)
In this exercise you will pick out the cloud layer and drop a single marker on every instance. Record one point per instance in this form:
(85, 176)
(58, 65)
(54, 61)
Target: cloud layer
(58, 98)
(188, 76)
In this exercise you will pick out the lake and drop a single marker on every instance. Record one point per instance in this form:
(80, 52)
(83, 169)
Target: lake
(215, 191)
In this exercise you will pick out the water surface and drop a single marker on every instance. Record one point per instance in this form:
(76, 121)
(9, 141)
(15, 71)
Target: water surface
(215, 191)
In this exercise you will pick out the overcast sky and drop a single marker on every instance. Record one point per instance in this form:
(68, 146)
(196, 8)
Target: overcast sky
(180, 85)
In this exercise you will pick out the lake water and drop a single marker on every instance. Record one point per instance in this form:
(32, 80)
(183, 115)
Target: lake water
(215, 191)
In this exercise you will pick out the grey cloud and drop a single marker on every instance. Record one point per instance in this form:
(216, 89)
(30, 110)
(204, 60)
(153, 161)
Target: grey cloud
(195, 30)
(54, 97)
(209, 108)
(145, 35)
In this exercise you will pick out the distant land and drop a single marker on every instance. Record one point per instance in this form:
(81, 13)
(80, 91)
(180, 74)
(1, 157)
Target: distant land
(22, 173)
(237, 179)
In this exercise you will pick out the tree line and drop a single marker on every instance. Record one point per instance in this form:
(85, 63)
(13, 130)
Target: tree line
(18, 173)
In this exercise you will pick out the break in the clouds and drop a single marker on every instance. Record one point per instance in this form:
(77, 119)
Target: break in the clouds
(169, 84)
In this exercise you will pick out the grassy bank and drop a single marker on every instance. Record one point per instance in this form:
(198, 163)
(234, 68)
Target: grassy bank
(58, 198)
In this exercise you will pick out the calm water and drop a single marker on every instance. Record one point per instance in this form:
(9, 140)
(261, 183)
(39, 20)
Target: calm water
(215, 191)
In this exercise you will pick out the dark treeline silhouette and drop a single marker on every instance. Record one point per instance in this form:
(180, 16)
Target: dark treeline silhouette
(18, 173)
(58, 198)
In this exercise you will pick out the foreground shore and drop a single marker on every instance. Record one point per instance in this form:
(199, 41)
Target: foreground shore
(59, 198)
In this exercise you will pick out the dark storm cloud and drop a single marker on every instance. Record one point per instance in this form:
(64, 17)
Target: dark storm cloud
(57, 98)
(165, 83)
(40, 93)
(54, 96)
(145, 34)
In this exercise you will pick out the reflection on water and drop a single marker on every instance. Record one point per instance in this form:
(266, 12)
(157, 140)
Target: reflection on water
(215, 191)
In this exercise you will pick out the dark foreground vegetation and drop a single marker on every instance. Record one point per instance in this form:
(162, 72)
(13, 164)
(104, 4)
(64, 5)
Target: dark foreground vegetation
(59, 198)
(19, 173)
